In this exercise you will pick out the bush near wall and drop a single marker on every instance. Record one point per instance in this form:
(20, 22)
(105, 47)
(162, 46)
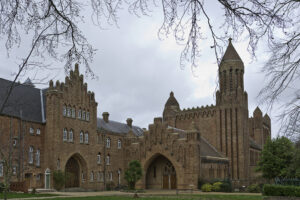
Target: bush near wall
(281, 190)
(206, 187)
(1, 187)
(254, 188)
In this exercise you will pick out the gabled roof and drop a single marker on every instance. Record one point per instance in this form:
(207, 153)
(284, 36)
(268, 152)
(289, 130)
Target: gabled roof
(25, 101)
(117, 127)
(231, 53)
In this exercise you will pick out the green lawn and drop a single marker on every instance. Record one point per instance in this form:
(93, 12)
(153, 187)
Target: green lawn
(22, 195)
(180, 197)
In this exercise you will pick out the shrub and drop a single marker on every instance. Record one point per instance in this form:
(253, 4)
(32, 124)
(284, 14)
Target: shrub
(216, 187)
(59, 179)
(281, 190)
(206, 187)
(254, 188)
(226, 186)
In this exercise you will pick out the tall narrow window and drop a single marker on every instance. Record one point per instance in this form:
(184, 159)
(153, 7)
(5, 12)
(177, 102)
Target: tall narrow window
(30, 155)
(14, 170)
(82, 176)
(107, 142)
(64, 111)
(1, 169)
(83, 114)
(99, 158)
(73, 113)
(81, 137)
(65, 135)
(87, 116)
(110, 176)
(92, 176)
(68, 111)
(31, 130)
(79, 114)
(107, 159)
(101, 176)
(58, 164)
(98, 176)
(71, 136)
(37, 158)
(119, 144)
(86, 138)
(38, 131)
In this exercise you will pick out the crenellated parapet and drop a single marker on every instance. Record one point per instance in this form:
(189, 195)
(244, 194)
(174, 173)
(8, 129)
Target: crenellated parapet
(196, 113)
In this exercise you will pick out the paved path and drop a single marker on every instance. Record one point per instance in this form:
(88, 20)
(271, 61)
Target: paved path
(146, 193)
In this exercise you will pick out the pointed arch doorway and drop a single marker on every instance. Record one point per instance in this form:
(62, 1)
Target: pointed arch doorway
(75, 171)
(161, 174)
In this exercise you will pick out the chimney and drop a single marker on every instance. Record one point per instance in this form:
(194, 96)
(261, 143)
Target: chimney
(129, 122)
(105, 116)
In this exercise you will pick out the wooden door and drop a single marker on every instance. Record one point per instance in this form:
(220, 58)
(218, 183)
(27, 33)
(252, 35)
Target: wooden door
(173, 181)
(165, 182)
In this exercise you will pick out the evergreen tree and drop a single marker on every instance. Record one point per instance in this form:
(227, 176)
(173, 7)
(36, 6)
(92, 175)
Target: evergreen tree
(133, 173)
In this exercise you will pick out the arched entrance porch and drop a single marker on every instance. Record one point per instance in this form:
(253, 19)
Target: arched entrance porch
(75, 170)
(161, 174)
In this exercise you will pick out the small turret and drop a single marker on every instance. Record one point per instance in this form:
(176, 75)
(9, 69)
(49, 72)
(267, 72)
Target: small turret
(170, 110)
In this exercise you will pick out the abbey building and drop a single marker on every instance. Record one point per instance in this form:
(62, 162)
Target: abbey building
(58, 128)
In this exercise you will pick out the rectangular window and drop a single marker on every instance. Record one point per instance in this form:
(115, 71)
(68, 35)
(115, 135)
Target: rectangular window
(38, 131)
(1, 169)
(86, 138)
(30, 155)
(31, 130)
(37, 158)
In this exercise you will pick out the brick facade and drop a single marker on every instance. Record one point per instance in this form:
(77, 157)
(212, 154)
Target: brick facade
(184, 145)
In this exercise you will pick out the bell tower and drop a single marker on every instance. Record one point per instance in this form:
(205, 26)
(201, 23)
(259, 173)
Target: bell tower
(232, 114)
(231, 78)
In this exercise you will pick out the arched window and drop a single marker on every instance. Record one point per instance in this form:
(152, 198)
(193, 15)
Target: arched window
(107, 159)
(99, 158)
(92, 176)
(83, 114)
(64, 111)
(73, 112)
(81, 137)
(37, 158)
(79, 114)
(119, 144)
(30, 155)
(38, 131)
(71, 136)
(107, 142)
(65, 135)
(87, 116)
(68, 111)
(86, 138)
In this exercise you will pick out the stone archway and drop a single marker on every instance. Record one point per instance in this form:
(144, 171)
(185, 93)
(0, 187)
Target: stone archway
(161, 174)
(74, 169)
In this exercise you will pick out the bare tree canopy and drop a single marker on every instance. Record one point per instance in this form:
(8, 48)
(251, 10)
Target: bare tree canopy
(53, 25)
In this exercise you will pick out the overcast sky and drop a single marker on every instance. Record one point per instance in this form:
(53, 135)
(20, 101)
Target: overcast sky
(137, 71)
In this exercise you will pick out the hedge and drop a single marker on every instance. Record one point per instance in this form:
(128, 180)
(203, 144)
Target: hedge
(281, 190)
